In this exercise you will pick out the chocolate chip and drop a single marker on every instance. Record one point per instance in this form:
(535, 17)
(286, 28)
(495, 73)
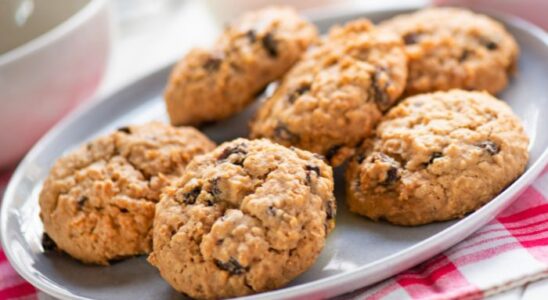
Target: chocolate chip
(433, 156)
(411, 38)
(298, 92)
(232, 266)
(82, 201)
(391, 176)
(379, 94)
(489, 146)
(227, 152)
(488, 43)
(212, 64)
(47, 243)
(124, 129)
(124, 210)
(190, 197)
(332, 152)
(270, 45)
(464, 55)
(283, 133)
(251, 35)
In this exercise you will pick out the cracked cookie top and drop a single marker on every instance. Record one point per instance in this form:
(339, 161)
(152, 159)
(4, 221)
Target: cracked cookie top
(97, 203)
(452, 48)
(246, 217)
(335, 95)
(436, 157)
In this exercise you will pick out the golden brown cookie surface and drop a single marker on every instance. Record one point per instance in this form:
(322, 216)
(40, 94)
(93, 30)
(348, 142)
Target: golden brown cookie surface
(97, 203)
(333, 98)
(455, 48)
(437, 157)
(210, 85)
(244, 218)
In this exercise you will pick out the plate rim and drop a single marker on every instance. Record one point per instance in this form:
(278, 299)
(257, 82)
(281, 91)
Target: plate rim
(334, 284)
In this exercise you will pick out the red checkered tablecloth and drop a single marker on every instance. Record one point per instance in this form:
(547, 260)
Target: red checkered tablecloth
(507, 252)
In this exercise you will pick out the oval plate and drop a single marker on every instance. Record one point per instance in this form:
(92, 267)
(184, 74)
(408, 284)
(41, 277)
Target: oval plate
(357, 253)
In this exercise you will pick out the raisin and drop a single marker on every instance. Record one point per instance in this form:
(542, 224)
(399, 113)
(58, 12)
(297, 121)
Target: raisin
(411, 38)
(488, 43)
(82, 201)
(270, 45)
(251, 35)
(379, 94)
(232, 266)
(332, 152)
(212, 64)
(124, 129)
(489, 146)
(360, 158)
(219, 242)
(298, 92)
(283, 133)
(309, 170)
(464, 55)
(190, 197)
(214, 188)
(47, 243)
(124, 210)
(391, 176)
(271, 210)
(433, 156)
(231, 150)
(315, 169)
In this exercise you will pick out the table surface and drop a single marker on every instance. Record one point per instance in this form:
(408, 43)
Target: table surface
(146, 42)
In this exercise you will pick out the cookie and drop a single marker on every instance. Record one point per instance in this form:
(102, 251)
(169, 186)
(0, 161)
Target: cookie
(247, 217)
(455, 48)
(437, 157)
(97, 204)
(213, 84)
(333, 98)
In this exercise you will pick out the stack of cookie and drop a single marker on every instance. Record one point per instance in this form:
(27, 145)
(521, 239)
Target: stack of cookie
(252, 214)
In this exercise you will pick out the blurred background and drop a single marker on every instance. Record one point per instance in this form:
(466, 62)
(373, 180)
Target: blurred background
(57, 54)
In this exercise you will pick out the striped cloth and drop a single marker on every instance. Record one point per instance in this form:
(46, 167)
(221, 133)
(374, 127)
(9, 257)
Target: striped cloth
(507, 252)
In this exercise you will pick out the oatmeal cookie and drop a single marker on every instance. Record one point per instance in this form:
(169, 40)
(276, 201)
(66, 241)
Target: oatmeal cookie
(437, 157)
(333, 98)
(454, 48)
(247, 217)
(213, 84)
(97, 204)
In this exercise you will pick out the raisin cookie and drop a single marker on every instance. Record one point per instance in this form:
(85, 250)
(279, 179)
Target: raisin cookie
(454, 48)
(333, 98)
(244, 218)
(210, 85)
(97, 204)
(437, 157)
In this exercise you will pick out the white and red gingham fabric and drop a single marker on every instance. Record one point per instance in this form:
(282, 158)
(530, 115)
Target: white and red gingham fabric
(507, 252)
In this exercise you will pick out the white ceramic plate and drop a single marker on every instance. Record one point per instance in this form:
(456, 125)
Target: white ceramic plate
(357, 253)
